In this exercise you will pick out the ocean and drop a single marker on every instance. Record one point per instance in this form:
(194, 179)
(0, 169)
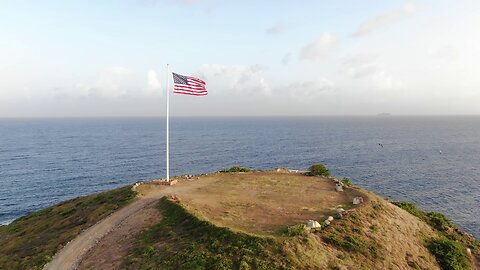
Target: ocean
(432, 161)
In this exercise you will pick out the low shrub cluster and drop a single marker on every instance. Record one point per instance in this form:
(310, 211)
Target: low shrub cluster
(449, 254)
(347, 182)
(235, 169)
(436, 220)
(318, 170)
(294, 230)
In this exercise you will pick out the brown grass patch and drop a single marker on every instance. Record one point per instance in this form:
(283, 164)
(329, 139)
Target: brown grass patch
(265, 202)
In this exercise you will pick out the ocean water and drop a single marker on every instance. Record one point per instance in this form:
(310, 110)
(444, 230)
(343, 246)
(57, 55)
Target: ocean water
(432, 161)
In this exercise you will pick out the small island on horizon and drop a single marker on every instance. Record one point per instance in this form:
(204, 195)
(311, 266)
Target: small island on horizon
(237, 219)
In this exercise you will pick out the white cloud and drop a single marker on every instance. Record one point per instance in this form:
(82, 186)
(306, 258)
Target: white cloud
(234, 79)
(319, 48)
(276, 29)
(112, 82)
(367, 69)
(153, 84)
(384, 19)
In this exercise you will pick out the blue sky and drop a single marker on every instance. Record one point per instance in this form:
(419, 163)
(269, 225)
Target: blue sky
(107, 58)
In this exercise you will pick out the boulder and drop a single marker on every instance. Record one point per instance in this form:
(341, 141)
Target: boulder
(357, 200)
(330, 218)
(313, 224)
(339, 187)
(340, 212)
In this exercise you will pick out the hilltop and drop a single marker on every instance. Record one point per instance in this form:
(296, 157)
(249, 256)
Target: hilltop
(238, 220)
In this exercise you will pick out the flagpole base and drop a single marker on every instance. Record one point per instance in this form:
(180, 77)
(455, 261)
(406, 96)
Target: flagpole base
(166, 183)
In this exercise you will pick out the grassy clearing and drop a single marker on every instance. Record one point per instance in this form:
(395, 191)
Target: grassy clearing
(265, 203)
(30, 241)
(183, 241)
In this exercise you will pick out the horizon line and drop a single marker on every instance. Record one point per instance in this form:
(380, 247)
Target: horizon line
(242, 116)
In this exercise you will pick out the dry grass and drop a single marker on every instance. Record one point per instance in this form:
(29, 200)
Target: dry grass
(264, 202)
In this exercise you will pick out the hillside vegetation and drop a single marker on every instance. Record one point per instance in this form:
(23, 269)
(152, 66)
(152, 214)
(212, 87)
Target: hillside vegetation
(31, 241)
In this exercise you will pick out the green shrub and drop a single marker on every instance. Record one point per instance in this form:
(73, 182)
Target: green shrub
(235, 169)
(436, 220)
(347, 182)
(439, 221)
(449, 254)
(298, 229)
(476, 244)
(410, 208)
(318, 169)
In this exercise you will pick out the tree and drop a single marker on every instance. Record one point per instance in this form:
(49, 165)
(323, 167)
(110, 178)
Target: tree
(318, 169)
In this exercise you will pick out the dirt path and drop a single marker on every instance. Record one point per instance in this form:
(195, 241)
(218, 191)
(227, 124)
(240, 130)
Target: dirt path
(70, 256)
(110, 250)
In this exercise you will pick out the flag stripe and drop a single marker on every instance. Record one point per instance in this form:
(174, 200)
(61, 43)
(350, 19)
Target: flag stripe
(190, 93)
(181, 86)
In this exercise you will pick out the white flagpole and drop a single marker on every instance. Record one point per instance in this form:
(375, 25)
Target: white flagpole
(167, 116)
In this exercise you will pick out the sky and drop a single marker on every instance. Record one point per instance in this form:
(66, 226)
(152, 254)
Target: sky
(259, 58)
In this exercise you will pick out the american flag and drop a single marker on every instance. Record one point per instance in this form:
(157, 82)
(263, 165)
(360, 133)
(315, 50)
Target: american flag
(188, 85)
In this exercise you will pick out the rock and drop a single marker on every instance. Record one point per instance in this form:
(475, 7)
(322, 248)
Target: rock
(313, 224)
(469, 251)
(340, 212)
(330, 218)
(357, 200)
(282, 170)
(338, 187)
(326, 222)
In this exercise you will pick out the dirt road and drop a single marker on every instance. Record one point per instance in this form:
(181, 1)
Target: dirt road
(70, 256)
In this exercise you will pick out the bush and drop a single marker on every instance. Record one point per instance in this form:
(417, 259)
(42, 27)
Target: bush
(318, 169)
(439, 221)
(449, 254)
(235, 169)
(298, 229)
(347, 182)
(410, 208)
